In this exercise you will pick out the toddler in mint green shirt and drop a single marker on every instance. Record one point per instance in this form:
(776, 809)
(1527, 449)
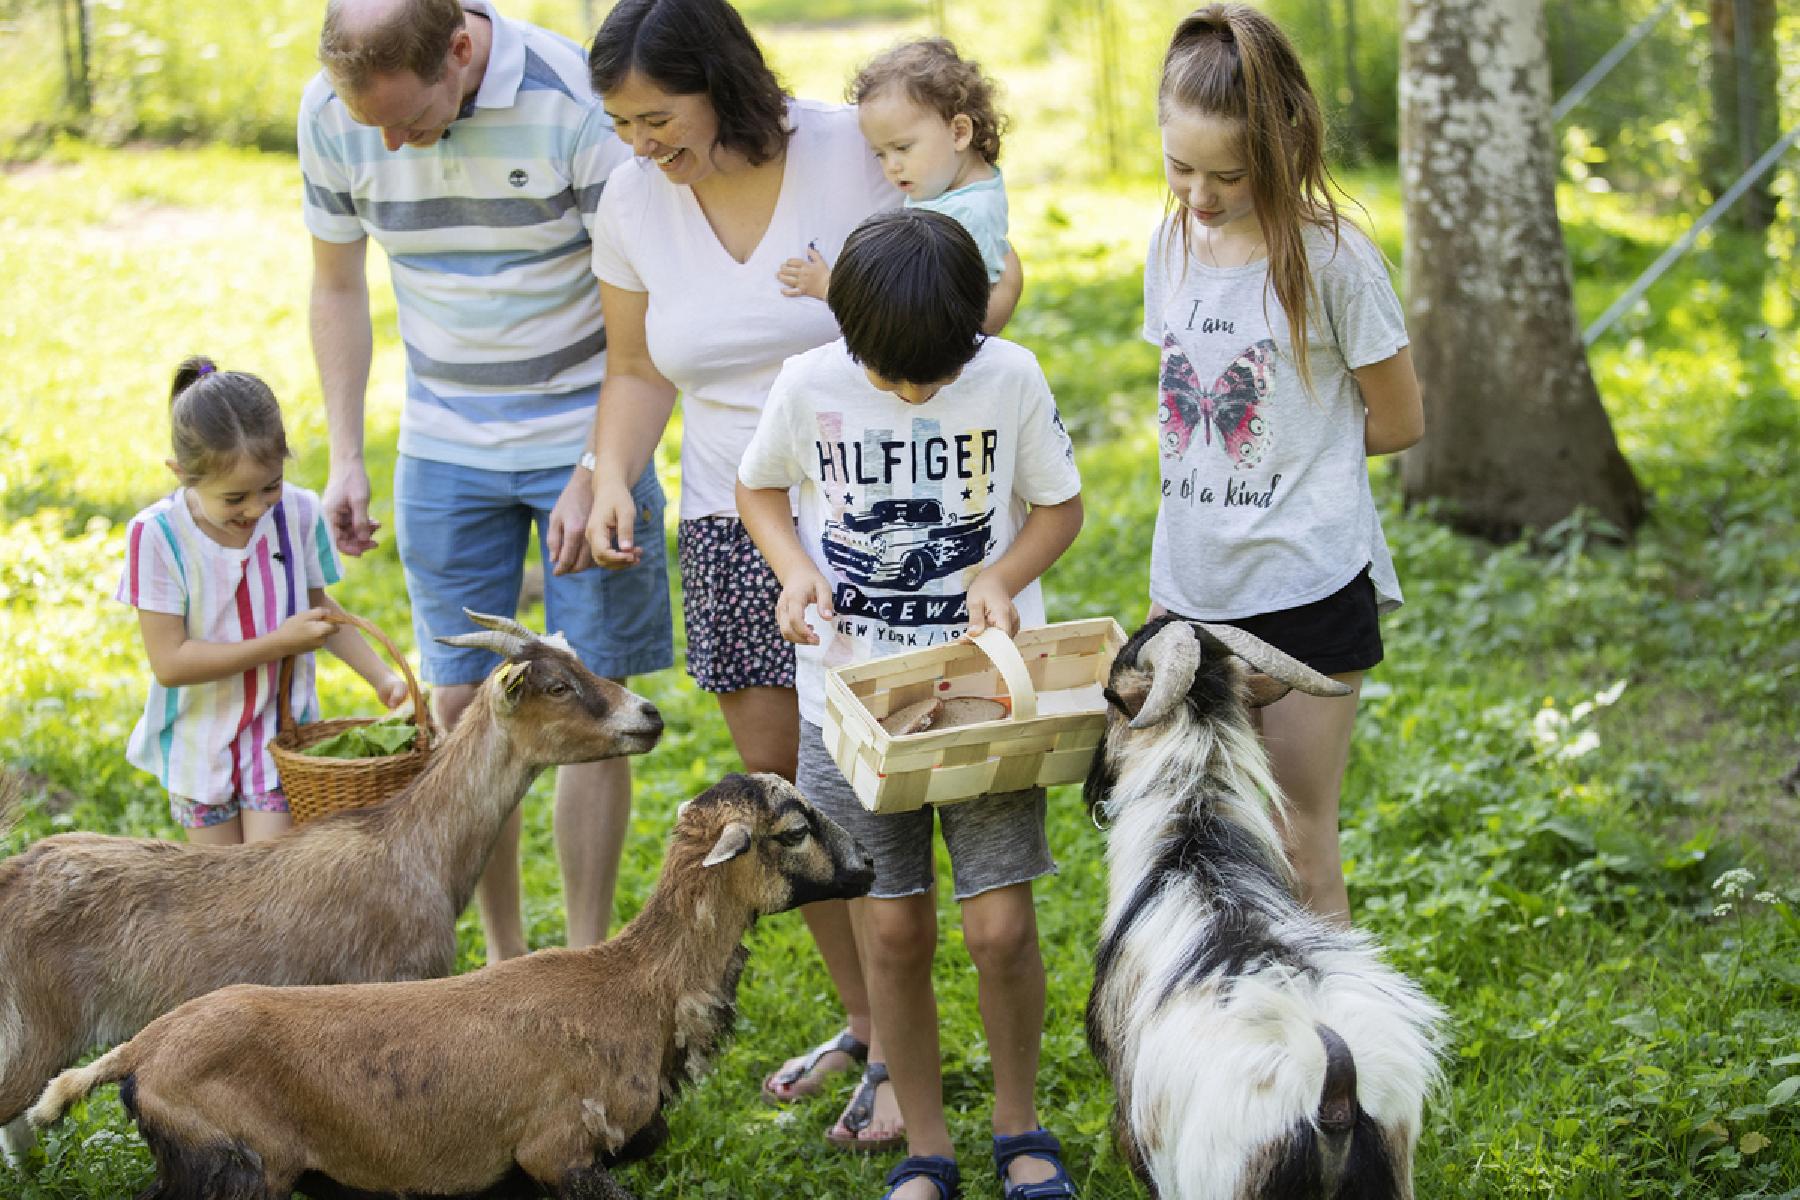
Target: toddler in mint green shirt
(929, 116)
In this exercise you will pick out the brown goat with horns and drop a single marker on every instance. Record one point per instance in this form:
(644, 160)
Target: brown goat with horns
(104, 934)
(539, 1072)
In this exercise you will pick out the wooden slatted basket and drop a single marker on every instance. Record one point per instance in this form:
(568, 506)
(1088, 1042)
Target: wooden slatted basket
(317, 787)
(1051, 678)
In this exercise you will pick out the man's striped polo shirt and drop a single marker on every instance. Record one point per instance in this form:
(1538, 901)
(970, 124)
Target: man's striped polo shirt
(487, 237)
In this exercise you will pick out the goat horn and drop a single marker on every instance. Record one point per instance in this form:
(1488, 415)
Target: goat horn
(1270, 661)
(503, 624)
(1173, 656)
(506, 645)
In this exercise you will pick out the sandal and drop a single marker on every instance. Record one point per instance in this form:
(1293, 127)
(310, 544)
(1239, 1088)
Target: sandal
(859, 1114)
(942, 1172)
(780, 1087)
(1038, 1143)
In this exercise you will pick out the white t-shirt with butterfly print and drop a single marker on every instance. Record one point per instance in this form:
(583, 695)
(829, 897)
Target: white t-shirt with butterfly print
(1265, 486)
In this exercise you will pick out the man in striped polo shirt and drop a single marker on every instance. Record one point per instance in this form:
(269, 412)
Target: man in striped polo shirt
(472, 149)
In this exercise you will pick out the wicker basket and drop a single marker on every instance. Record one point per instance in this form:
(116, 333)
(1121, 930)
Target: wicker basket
(317, 787)
(1052, 677)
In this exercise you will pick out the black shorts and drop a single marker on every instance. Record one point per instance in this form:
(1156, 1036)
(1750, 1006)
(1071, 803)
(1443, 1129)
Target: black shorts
(1340, 633)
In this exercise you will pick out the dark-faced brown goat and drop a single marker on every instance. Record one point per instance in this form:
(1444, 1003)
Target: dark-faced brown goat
(103, 934)
(539, 1072)
(1256, 1051)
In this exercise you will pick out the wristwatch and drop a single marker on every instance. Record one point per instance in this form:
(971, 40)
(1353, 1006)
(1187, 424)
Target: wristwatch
(586, 461)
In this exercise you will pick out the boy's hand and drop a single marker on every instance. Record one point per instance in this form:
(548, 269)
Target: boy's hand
(392, 690)
(809, 276)
(990, 606)
(305, 631)
(808, 587)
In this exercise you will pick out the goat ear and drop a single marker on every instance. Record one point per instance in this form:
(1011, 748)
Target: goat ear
(1128, 691)
(511, 685)
(1261, 690)
(732, 842)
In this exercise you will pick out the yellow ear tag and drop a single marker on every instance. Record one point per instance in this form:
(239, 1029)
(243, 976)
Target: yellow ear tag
(512, 675)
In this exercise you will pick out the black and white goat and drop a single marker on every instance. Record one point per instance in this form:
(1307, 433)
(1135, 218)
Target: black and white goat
(1257, 1052)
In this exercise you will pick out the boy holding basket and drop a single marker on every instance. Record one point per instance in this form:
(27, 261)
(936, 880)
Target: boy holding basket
(936, 484)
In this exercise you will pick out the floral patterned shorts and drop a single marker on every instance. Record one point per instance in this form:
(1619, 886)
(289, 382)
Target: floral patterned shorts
(728, 608)
(191, 814)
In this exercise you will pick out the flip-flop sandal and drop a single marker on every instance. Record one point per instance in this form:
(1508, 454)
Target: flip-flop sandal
(845, 1043)
(941, 1172)
(859, 1114)
(1037, 1143)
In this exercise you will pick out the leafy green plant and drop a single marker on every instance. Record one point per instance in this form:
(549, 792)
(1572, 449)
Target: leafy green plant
(376, 739)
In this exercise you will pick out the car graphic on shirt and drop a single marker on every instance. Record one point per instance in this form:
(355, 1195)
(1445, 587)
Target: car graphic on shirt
(906, 543)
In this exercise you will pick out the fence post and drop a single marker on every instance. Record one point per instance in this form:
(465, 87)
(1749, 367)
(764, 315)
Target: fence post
(1667, 259)
(1608, 61)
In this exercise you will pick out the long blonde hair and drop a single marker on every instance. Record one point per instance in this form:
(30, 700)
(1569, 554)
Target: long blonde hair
(1232, 62)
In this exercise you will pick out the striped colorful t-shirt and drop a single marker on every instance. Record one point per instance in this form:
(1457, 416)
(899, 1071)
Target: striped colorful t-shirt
(487, 233)
(208, 742)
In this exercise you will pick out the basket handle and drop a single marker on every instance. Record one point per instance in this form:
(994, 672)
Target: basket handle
(421, 713)
(1007, 660)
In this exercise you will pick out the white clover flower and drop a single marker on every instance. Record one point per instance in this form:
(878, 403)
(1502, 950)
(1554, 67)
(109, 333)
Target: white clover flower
(1733, 883)
(1584, 744)
(1547, 725)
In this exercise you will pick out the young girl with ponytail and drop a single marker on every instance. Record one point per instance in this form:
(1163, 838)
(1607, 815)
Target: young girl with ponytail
(228, 575)
(1284, 366)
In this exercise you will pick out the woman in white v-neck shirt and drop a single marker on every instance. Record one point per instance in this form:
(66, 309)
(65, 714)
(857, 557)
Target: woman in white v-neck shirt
(730, 177)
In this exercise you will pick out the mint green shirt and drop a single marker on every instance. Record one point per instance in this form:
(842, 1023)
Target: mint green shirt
(979, 208)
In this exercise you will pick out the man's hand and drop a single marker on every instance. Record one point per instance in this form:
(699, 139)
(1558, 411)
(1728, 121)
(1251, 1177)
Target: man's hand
(808, 587)
(346, 505)
(567, 536)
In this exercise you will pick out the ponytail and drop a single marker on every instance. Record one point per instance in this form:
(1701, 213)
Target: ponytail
(219, 417)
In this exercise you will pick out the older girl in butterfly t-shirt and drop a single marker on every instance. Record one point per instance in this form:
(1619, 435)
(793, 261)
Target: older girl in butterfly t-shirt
(1267, 521)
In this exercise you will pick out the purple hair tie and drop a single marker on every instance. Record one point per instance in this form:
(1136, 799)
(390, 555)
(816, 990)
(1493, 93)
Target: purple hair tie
(205, 369)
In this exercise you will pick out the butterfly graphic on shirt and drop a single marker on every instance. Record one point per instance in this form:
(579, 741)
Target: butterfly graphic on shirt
(1232, 405)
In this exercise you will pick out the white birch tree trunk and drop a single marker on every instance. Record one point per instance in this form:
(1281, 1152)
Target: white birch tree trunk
(1515, 435)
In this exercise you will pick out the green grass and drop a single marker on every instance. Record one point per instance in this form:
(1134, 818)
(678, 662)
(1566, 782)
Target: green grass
(1616, 1035)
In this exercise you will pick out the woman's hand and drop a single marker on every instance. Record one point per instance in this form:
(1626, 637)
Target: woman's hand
(807, 587)
(990, 605)
(610, 525)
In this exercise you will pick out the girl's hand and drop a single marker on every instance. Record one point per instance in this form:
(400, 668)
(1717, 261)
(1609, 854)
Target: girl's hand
(809, 276)
(990, 606)
(305, 632)
(610, 524)
(807, 587)
(392, 690)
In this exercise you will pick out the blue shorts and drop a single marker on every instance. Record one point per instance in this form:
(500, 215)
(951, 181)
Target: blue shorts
(463, 533)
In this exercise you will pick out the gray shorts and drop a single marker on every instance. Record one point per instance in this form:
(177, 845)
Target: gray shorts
(994, 842)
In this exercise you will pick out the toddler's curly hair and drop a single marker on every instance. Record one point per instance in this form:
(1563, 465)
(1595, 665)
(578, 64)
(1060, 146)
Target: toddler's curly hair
(937, 78)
